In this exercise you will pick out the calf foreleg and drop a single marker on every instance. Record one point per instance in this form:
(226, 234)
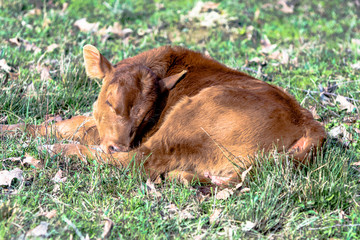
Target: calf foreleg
(79, 128)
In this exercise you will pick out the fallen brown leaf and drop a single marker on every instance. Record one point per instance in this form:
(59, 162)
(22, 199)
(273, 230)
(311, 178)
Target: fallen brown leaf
(52, 47)
(340, 133)
(58, 177)
(266, 46)
(108, 225)
(3, 119)
(31, 161)
(33, 12)
(209, 6)
(50, 214)
(85, 26)
(314, 113)
(355, 66)
(46, 21)
(204, 14)
(151, 189)
(284, 7)
(51, 118)
(247, 226)
(224, 194)
(15, 41)
(6, 177)
(28, 45)
(4, 66)
(27, 159)
(64, 7)
(214, 218)
(39, 232)
(172, 208)
(117, 30)
(345, 104)
(184, 214)
(10, 71)
(45, 74)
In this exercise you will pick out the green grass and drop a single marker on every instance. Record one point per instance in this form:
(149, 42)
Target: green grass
(319, 201)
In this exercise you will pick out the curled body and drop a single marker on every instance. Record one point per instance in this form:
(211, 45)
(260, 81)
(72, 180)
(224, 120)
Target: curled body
(183, 113)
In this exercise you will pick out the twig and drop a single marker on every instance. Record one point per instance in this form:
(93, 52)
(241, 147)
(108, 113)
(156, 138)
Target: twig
(336, 225)
(326, 93)
(258, 73)
(77, 231)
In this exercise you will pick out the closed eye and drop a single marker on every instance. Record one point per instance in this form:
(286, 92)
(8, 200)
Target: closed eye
(107, 102)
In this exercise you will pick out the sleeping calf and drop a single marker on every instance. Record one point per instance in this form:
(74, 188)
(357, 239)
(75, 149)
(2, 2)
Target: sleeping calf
(182, 113)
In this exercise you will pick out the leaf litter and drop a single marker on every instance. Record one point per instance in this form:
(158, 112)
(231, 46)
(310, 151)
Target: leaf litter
(26, 160)
(7, 177)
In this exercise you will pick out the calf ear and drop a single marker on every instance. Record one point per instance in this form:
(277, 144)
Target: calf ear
(96, 65)
(169, 82)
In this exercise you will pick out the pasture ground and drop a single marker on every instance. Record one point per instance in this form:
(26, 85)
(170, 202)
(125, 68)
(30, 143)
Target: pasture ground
(310, 48)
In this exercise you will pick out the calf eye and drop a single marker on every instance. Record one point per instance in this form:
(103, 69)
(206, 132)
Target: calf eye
(107, 102)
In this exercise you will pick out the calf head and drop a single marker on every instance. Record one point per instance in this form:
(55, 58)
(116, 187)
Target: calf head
(127, 98)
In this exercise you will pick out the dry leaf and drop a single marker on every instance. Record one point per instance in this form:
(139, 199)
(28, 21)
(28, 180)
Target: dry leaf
(244, 174)
(50, 214)
(31, 161)
(209, 6)
(357, 130)
(224, 194)
(247, 226)
(85, 26)
(184, 214)
(58, 177)
(355, 66)
(64, 7)
(345, 104)
(46, 21)
(26, 160)
(266, 46)
(256, 14)
(205, 15)
(215, 216)
(52, 47)
(255, 60)
(14, 75)
(244, 190)
(200, 237)
(172, 208)
(6, 177)
(51, 118)
(314, 113)
(33, 12)
(151, 189)
(341, 134)
(117, 30)
(284, 7)
(355, 41)
(356, 164)
(39, 232)
(45, 74)
(28, 45)
(107, 228)
(4, 66)
(9, 70)
(15, 41)
(3, 119)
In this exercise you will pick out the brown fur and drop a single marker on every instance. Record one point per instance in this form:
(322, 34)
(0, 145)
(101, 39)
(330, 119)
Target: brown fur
(184, 113)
